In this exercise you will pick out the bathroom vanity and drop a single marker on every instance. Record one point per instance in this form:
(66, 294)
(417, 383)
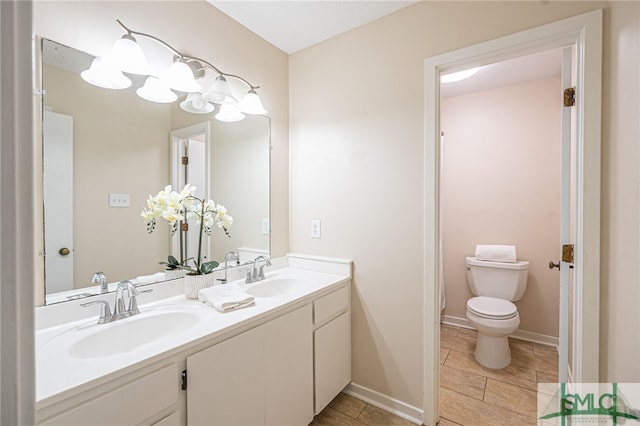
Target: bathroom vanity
(180, 362)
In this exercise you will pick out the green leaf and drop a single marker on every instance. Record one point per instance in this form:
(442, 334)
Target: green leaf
(208, 267)
(173, 260)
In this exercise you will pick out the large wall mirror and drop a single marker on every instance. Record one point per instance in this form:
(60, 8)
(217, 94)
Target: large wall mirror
(105, 151)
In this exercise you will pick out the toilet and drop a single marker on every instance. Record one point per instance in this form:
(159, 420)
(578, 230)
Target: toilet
(496, 285)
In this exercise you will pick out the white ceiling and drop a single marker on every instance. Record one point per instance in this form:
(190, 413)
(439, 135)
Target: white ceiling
(294, 25)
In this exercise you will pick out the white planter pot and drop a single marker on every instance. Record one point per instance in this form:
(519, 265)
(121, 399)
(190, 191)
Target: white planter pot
(195, 283)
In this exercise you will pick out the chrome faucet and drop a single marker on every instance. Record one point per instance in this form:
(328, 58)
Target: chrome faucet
(257, 274)
(100, 278)
(119, 311)
(227, 257)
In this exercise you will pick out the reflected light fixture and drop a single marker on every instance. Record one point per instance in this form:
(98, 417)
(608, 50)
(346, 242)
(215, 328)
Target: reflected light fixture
(127, 56)
(458, 76)
(196, 104)
(219, 90)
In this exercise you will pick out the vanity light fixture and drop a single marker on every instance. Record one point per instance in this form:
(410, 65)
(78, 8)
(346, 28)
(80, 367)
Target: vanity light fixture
(229, 112)
(103, 74)
(155, 90)
(127, 56)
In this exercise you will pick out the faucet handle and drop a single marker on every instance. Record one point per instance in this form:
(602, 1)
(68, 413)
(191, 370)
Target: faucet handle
(105, 310)
(133, 301)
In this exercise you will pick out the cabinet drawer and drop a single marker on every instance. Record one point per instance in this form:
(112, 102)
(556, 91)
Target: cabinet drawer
(131, 404)
(330, 305)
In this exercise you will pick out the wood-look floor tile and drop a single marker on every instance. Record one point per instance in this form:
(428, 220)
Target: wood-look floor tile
(512, 397)
(451, 330)
(468, 333)
(375, 416)
(520, 345)
(466, 410)
(447, 422)
(462, 381)
(457, 343)
(543, 363)
(545, 350)
(443, 355)
(546, 377)
(347, 405)
(511, 374)
(331, 417)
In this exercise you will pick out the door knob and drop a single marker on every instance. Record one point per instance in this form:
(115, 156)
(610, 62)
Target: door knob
(554, 265)
(64, 251)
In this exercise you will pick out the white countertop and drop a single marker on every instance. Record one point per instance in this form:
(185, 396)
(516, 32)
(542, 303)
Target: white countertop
(59, 374)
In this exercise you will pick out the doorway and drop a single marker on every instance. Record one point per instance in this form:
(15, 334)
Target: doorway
(585, 31)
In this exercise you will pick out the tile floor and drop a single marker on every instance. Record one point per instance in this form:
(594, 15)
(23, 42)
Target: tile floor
(470, 395)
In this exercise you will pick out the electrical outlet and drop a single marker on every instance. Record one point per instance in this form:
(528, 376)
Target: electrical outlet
(266, 229)
(315, 228)
(118, 200)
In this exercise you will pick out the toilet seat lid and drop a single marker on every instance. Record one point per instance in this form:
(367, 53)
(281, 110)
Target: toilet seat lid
(490, 307)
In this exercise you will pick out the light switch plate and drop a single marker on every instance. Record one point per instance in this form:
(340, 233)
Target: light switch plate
(315, 228)
(118, 200)
(266, 229)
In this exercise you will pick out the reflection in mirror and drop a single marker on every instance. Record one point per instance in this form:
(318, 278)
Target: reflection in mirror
(105, 151)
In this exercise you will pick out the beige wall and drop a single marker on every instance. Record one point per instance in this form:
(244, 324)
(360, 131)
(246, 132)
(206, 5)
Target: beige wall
(196, 28)
(501, 185)
(357, 164)
(115, 137)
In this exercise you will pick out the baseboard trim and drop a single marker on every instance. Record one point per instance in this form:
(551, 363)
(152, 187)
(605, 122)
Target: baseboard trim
(519, 334)
(399, 408)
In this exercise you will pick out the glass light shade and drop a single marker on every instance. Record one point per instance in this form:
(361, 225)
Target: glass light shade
(102, 74)
(180, 78)
(219, 90)
(251, 104)
(196, 104)
(155, 90)
(127, 56)
(229, 113)
(458, 76)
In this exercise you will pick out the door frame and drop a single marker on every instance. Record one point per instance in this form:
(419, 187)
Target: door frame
(585, 31)
(175, 171)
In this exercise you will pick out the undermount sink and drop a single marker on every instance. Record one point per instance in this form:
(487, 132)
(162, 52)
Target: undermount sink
(132, 333)
(274, 287)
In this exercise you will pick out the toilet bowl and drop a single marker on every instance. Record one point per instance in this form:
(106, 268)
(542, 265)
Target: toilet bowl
(491, 312)
(495, 319)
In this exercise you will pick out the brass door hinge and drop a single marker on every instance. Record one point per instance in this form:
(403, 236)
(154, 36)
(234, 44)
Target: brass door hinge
(567, 253)
(570, 97)
(185, 160)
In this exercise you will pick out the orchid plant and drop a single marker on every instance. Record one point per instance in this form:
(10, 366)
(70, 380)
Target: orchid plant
(178, 207)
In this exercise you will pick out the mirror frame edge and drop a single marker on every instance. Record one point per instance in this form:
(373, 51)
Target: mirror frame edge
(38, 213)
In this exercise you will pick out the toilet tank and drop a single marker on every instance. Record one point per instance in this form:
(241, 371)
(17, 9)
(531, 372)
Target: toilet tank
(497, 279)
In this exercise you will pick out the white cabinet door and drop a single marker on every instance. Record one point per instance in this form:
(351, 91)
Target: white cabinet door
(332, 352)
(226, 382)
(261, 377)
(289, 369)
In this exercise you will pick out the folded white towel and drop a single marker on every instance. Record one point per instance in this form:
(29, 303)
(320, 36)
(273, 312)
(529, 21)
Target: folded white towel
(149, 279)
(496, 253)
(226, 297)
